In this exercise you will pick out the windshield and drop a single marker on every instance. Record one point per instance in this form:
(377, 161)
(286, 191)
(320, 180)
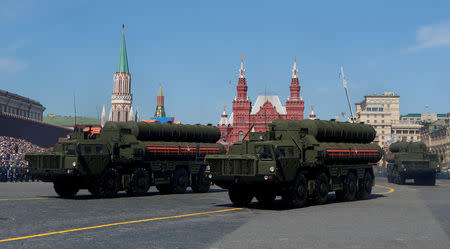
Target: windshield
(264, 152)
(69, 149)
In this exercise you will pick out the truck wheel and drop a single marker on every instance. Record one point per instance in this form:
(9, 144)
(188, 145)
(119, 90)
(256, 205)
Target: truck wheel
(401, 179)
(321, 189)
(200, 183)
(240, 196)
(66, 189)
(179, 181)
(265, 198)
(140, 182)
(108, 184)
(431, 180)
(348, 193)
(365, 187)
(297, 194)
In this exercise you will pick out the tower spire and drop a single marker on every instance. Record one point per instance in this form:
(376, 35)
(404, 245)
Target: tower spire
(160, 112)
(242, 85)
(295, 70)
(122, 64)
(242, 70)
(312, 115)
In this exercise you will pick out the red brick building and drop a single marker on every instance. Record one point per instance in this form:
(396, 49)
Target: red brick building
(266, 109)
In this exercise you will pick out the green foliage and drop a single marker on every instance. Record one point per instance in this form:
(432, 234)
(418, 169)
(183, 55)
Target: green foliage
(70, 121)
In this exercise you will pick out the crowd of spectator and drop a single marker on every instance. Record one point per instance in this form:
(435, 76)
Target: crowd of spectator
(13, 167)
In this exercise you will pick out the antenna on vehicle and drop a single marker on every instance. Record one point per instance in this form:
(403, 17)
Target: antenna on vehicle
(344, 82)
(75, 111)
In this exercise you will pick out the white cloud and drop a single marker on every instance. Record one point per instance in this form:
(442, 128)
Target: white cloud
(12, 65)
(431, 36)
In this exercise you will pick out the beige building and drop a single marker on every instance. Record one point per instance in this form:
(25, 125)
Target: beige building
(436, 136)
(14, 104)
(381, 111)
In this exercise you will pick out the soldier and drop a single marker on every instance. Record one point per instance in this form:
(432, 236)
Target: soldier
(20, 173)
(26, 171)
(3, 173)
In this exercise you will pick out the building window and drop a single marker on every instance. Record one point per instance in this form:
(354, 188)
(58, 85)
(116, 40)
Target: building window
(375, 121)
(241, 135)
(118, 116)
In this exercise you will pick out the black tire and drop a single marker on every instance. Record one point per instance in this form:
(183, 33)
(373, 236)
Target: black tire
(200, 183)
(365, 187)
(348, 193)
(401, 179)
(321, 189)
(140, 182)
(296, 194)
(431, 180)
(66, 189)
(107, 185)
(240, 196)
(179, 181)
(266, 198)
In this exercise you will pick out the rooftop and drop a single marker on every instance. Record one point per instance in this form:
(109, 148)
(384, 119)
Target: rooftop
(19, 97)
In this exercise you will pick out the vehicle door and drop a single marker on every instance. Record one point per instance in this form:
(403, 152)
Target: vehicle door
(288, 162)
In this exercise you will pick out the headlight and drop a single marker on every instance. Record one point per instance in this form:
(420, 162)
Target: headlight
(26, 163)
(272, 169)
(74, 164)
(210, 176)
(208, 167)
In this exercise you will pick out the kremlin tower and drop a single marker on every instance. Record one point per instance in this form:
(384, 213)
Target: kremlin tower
(294, 104)
(122, 99)
(160, 112)
(312, 115)
(266, 109)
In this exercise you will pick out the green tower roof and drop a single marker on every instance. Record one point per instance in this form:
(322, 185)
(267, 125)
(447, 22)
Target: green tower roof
(160, 91)
(122, 65)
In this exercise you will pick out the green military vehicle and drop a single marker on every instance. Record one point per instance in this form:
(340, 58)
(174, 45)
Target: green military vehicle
(411, 160)
(129, 156)
(300, 161)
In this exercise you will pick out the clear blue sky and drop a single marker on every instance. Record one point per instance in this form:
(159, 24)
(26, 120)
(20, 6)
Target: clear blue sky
(49, 49)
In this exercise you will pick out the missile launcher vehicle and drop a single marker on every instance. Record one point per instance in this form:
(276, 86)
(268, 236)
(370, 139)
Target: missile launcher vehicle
(300, 161)
(129, 156)
(411, 160)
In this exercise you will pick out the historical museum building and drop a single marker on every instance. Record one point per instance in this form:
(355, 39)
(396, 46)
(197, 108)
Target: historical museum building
(266, 109)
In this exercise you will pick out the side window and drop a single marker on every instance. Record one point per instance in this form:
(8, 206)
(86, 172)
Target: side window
(70, 149)
(290, 152)
(98, 149)
(87, 149)
(264, 152)
(282, 153)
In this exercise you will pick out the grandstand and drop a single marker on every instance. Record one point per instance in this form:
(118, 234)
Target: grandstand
(21, 118)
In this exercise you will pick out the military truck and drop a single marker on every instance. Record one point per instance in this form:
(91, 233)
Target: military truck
(300, 161)
(129, 156)
(411, 160)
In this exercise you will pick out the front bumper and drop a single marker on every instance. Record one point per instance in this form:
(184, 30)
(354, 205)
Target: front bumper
(413, 173)
(50, 175)
(225, 181)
